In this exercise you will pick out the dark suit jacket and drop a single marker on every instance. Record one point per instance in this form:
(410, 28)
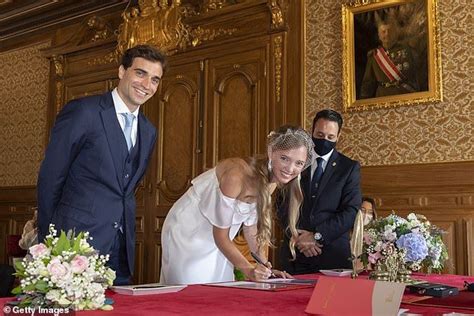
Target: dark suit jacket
(331, 212)
(81, 180)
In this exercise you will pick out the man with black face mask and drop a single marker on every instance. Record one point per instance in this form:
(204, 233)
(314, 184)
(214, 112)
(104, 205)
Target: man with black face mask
(332, 196)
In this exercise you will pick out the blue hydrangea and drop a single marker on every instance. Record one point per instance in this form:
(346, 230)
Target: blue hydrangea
(415, 246)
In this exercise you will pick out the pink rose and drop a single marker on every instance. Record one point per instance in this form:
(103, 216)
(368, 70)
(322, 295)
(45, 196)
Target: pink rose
(79, 264)
(39, 250)
(57, 269)
(374, 257)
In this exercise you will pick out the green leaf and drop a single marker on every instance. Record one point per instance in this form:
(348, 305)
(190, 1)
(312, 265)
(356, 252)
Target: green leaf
(42, 286)
(30, 287)
(77, 242)
(62, 245)
(19, 266)
(20, 275)
(25, 302)
(17, 290)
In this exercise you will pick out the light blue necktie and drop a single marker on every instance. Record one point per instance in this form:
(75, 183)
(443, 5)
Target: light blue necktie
(127, 130)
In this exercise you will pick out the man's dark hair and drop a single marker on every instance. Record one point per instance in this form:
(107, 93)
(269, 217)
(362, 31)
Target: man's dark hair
(330, 115)
(144, 51)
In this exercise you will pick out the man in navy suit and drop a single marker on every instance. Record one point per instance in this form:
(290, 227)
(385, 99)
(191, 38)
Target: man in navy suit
(98, 152)
(332, 196)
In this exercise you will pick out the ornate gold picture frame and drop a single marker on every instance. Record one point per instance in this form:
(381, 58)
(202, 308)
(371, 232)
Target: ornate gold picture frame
(391, 53)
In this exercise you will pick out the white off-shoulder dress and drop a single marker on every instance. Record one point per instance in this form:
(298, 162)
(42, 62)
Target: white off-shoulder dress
(190, 255)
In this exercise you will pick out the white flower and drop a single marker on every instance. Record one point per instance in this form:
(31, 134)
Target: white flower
(53, 295)
(63, 301)
(378, 246)
(389, 235)
(74, 278)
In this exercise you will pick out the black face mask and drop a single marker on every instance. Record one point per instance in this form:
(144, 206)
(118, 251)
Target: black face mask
(323, 146)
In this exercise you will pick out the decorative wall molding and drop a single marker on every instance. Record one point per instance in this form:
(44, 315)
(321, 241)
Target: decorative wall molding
(58, 62)
(153, 23)
(200, 35)
(278, 61)
(278, 9)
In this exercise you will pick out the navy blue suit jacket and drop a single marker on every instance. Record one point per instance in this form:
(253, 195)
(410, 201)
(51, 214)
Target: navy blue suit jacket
(80, 183)
(331, 212)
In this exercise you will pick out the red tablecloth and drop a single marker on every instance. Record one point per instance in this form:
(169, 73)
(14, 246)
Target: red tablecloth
(208, 300)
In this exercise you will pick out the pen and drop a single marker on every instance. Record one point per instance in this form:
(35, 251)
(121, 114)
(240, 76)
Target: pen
(260, 261)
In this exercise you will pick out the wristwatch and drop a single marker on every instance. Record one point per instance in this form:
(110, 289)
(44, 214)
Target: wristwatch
(318, 237)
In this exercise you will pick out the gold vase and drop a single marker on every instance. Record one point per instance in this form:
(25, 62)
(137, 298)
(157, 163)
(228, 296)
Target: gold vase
(392, 268)
(404, 276)
(380, 272)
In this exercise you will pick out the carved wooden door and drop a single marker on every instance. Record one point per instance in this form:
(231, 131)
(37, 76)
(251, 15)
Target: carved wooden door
(175, 111)
(206, 111)
(236, 117)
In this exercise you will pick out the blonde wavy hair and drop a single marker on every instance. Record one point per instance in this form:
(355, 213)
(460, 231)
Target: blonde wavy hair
(284, 138)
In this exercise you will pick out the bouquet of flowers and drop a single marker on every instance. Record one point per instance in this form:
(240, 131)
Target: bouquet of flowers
(413, 240)
(63, 272)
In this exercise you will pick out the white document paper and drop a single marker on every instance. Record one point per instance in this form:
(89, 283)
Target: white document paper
(147, 289)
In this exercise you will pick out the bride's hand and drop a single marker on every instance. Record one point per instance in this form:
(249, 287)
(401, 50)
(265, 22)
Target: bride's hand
(258, 273)
(282, 274)
(277, 273)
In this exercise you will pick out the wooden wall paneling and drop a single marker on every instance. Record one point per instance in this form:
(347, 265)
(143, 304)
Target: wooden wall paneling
(146, 191)
(462, 258)
(213, 103)
(293, 63)
(91, 59)
(443, 192)
(4, 231)
(16, 207)
(469, 249)
(82, 90)
(236, 116)
(140, 259)
(79, 71)
(157, 261)
(175, 111)
(179, 124)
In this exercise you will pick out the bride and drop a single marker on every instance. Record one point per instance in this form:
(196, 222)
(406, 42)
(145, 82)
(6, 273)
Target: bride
(198, 231)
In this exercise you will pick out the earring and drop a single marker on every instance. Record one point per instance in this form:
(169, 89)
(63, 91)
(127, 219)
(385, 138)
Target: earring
(269, 165)
(299, 177)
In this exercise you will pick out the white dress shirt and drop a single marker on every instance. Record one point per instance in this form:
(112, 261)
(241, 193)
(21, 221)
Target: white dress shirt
(314, 162)
(121, 107)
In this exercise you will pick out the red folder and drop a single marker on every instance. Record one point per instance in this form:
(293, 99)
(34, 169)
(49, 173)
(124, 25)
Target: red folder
(344, 296)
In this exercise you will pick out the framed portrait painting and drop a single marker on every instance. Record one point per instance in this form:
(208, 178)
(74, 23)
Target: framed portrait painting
(391, 53)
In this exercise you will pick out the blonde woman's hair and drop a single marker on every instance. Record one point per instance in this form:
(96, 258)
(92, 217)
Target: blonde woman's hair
(261, 180)
(284, 138)
(292, 192)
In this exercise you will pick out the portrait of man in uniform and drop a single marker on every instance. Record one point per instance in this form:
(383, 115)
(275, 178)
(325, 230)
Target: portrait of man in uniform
(390, 47)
